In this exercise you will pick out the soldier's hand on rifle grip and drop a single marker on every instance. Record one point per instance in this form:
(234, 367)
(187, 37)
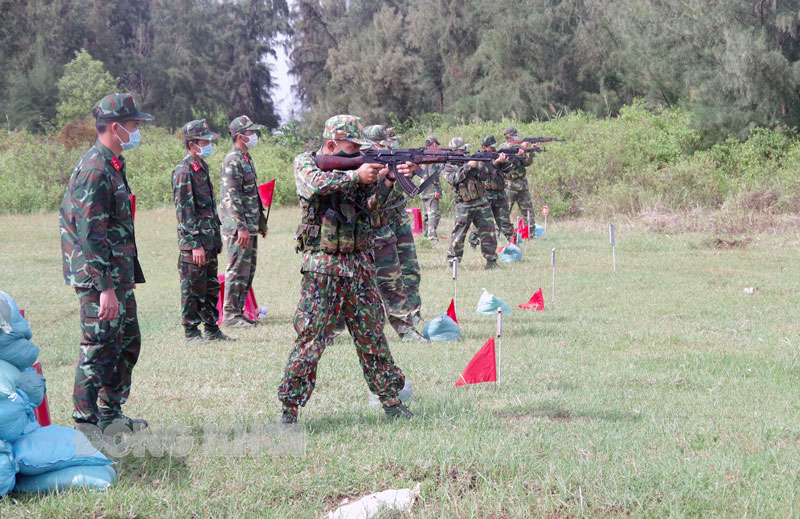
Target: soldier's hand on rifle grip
(109, 305)
(199, 256)
(472, 163)
(407, 169)
(368, 173)
(501, 158)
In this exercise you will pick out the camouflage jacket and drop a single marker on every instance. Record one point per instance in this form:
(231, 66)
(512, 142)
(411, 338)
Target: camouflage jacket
(240, 203)
(310, 181)
(514, 167)
(195, 207)
(434, 187)
(467, 182)
(98, 246)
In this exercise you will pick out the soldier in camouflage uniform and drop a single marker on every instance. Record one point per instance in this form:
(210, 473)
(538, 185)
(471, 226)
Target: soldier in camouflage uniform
(199, 239)
(390, 278)
(242, 218)
(495, 193)
(431, 195)
(517, 186)
(338, 271)
(471, 207)
(99, 258)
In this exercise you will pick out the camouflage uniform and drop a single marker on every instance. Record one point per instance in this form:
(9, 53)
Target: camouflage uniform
(241, 209)
(517, 187)
(496, 197)
(338, 276)
(431, 195)
(471, 208)
(98, 250)
(198, 227)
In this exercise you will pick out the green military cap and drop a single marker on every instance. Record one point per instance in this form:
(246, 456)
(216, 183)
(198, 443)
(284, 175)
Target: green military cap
(458, 143)
(488, 141)
(510, 131)
(241, 124)
(198, 130)
(345, 128)
(375, 132)
(119, 107)
(430, 139)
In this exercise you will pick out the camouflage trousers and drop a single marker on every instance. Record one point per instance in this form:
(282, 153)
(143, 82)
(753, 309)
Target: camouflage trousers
(109, 351)
(323, 298)
(430, 217)
(477, 213)
(499, 206)
(199, 292)
(409, 264)
(517, 192)
(238, 275)
(390, 281)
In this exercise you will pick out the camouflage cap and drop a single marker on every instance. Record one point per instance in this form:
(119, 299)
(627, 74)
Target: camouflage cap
(510, 131)
(488, 141)
(345, 128)
(241, 124)
(458, 143)
(375, 132)
(430, 139)
(119, 107)
(198, 130)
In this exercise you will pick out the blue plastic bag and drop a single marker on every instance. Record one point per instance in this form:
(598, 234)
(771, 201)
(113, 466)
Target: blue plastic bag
(442, 328)
(18, 323)
(9, 379)
(511, 254)
(488, 304)
(8, 468)
(538, 230)
(55, 447)
(97, 477)
(33, 384)
(15, 414)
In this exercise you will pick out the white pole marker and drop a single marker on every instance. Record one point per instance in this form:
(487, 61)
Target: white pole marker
(553, 264)
(455, 285)
(499, 344)
(613, 241)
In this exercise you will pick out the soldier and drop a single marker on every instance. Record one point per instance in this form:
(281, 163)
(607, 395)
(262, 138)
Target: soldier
(242, 218)
(431, 195)
(471, 208)
(387, 259)
(199, 239)
(338, 272)
(495, 193)
(99, 259)
(517, 187)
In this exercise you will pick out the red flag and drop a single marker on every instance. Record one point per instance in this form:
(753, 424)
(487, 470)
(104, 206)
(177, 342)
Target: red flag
(525, 232)
(265, 190)
(451, 310)
(133, 207)
(481, 368)
(536, 302)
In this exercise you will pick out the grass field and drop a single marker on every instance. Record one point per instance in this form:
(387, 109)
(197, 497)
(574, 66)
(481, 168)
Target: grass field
(661, 390)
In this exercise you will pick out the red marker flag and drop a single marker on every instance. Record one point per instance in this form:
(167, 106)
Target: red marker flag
(133, 207)
(525, 232)
(482, 367)
(451, 310)
(266, 190)
(536, 302)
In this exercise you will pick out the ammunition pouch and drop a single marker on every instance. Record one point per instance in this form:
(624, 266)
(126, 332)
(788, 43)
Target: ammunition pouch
(333, 227)
(468, 190)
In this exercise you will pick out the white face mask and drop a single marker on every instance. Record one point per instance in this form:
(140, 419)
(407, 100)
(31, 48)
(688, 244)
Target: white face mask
(251, 141)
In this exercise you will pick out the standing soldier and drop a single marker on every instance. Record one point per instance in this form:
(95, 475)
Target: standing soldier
(471, 208)
(391, 283)
(199, 239)
(495, 193)
(517, 188)
(338, 271)
(431, 195)
(100, 260)
(242, 218)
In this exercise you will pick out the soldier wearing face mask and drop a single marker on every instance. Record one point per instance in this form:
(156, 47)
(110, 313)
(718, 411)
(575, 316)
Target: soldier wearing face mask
(199, 238)
(242, 219)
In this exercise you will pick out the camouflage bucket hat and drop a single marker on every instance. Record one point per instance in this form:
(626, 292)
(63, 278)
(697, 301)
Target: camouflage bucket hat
(375, 133)
(119, 107)
(488, 141)
(430, 139)
(510, 131)
(198, 130)
(345, 128)
(458, 143)
(241, 124)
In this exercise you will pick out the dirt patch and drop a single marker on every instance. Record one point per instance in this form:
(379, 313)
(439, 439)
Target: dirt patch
(728, 243)
(719, 223)
(557, 415)
(760, 200)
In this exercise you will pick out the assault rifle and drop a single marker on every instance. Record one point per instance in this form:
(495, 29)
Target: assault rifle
(392, 158)
(537, 140)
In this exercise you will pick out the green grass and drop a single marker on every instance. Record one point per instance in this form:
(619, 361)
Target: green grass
(661, 390)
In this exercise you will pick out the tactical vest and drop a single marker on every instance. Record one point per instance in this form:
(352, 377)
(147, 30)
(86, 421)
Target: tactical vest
(468, 190)
(517, 170)
(496, 182)
(334, 226)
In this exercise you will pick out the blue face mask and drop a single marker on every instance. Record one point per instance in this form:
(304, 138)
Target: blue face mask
(206, 151)
(134, 138)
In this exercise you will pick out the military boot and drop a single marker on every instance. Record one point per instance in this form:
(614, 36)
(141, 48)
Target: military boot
(119, 420)
(491, 265)
(395, 412)
(414, 336)
(212, 334)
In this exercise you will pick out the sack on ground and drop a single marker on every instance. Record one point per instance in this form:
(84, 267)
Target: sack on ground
(511, 254)
(34, 386)
(488, 304)
(15, 415)
(9, 379)
(97, 477)
(442, 328)
(8, 468)
(20, 327)
(55, 447)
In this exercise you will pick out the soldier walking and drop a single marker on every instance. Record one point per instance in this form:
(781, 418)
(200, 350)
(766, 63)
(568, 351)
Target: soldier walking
(100, 259)
(242, 220)
(338, 271)
(431, 195)
(199, 239)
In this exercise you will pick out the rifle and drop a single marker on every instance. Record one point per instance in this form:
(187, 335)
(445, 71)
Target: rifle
(394, 157)
(537, 140)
